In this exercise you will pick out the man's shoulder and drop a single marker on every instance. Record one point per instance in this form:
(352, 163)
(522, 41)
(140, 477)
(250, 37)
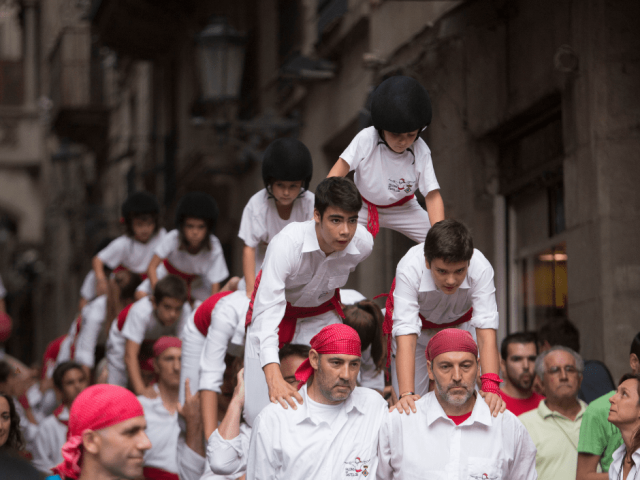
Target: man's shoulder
(368, 398)
(141, 308)
(478, 262)
(293, 234)
(600, 405)
(531, 417)
(363, 239)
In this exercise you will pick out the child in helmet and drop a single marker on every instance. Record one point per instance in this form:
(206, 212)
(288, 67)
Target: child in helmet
(191, 251)
(286, 171)
(391, 162)
(133, 250)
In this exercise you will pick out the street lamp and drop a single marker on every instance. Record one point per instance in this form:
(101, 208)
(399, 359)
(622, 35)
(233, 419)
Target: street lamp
(220, 50)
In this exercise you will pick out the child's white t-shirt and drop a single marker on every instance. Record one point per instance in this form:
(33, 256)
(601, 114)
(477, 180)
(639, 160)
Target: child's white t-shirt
(261, 222)
(384, 177)
(130, 253)
(141, 323)
(210, 264)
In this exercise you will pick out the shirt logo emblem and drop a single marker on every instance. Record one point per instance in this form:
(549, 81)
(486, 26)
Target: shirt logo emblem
(401, 185)
(484, 476)
(356, 468)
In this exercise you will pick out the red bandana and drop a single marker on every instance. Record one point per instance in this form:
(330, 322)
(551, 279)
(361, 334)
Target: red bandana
(337, 338)
(165, 342)
(97, 407)
(451, 340)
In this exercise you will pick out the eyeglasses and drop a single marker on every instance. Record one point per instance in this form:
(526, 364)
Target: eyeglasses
(568, 369)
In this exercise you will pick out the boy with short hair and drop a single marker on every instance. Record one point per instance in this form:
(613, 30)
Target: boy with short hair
(442, 283)
(298, 292)
(150, 318)
(392, 162)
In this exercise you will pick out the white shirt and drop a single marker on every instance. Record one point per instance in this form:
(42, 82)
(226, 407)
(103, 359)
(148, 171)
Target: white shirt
(297, 271)
(349, 296)
(616, 465)
(297, 444)
(52, 435)
(427, 444)
(416, 292)
(162, 430)
(229, 457)
(142, 324)
(261, 222)
(209, 264)
(94, 314)
(88, 289)
(130, 253)
(383, 176)
(225, 317)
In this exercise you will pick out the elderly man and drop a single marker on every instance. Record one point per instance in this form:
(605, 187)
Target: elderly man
(333, 433)
(555, 425)
(454, 434)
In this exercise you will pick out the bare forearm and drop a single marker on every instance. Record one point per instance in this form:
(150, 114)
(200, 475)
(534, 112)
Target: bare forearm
(98, 268)
(133, 367)
(230, 426)
(339, 169)
(488, 348)
(588, 466)
(215, 288)
(193, 436)
(435, 206)
(151, 271)
(209, 406)
(249, 267)
(406, 363)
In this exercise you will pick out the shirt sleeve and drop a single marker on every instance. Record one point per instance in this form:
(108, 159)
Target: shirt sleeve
(252, 224)
(387, 456)
(406, 309)
(523, 464)
(135, 325)
(427, 181)
(191, 466)
(594, 436)
(113, 254)
(93, 317)
(88, 289)
(168, 244)
(228, 457)
(263, 461)
(483, 299)
(218, 270)
(270, 302)
(224, 319)
(359, 149)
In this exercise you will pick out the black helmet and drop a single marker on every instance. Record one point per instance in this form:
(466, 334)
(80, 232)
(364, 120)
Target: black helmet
(140, 203)
(197, 205)
(400, 105)
(287, 159)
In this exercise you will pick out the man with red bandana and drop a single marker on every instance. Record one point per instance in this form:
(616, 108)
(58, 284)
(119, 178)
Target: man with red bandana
(333, 433)
(453, 433)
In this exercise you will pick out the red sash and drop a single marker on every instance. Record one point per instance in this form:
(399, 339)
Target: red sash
(57, 412)
(122, 316)
(121, 268)
(50, 355)
(187, 277)
(152, 473)
(287, 327)
(202, 317)
(373, 223)
(387, 326)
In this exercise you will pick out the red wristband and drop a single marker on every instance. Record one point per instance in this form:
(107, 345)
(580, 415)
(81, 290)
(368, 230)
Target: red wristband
(491, 383)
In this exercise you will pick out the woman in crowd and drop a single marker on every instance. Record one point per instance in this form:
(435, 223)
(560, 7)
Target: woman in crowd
(10, 435)
(625, 414)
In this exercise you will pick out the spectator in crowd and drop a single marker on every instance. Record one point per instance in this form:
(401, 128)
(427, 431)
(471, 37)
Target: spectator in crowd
(14, 386)
(555, 425)
(454, 434)
(597, 379)
(518, 357)
(11, 438)
(625, 414)
(598, 437)
(69, 379)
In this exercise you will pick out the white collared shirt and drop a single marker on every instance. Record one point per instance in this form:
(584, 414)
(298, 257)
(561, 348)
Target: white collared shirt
(228, 313)
(162, 430)
(52, 435)
(616, 465)
(427, 444)
(384, 176)
(297, 271)
(130, 253)
(416, 293)
(295, 444)
(142, 324)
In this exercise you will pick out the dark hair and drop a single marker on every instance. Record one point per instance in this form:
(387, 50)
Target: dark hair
(62, 369)
(15, 440)
(635, 346)
(517, 337)
(128, 289)
(366, 318)
(337, 192)
(128, 222)
(170, 286)
(294, 349)
(6, 370)
(450, 241)
(559, 331)
(635, 441)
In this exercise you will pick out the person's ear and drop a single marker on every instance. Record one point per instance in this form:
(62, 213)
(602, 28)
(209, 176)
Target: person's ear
(503, 367)
(156, 367)
(430, 370)
(316, 216)
(634, 363)
(314, 359)
(91, 441)
(428, 263)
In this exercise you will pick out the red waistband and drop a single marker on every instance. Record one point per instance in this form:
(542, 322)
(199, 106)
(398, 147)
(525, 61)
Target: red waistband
(152, 473)
(373, 222)
(287, 327)
(202, 317)
(187, 277)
